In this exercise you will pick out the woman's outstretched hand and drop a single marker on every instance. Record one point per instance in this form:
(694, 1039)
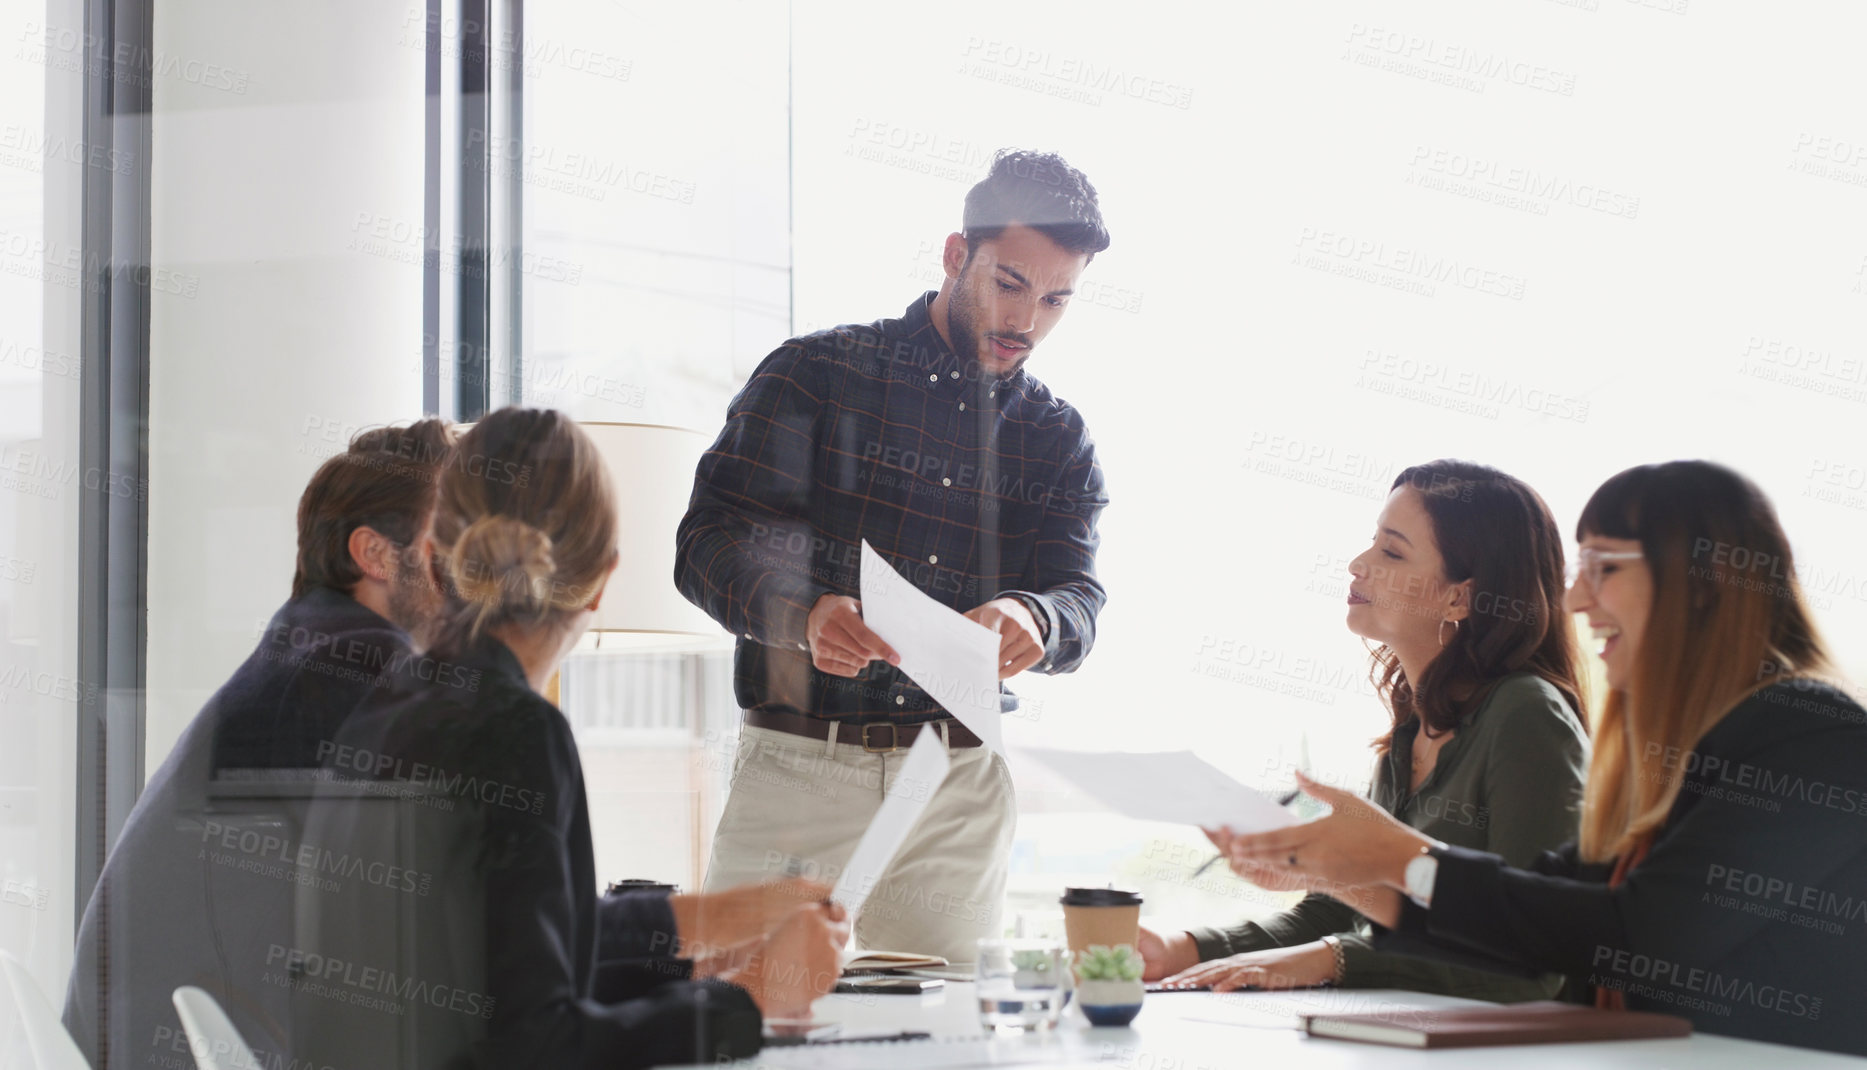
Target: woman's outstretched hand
(1358, 843)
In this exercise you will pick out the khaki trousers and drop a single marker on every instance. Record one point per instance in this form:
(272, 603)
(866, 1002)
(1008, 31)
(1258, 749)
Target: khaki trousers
(798, 806)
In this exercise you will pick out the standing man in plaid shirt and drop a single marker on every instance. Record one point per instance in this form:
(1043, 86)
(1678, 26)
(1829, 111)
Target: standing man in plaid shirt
(924, 435)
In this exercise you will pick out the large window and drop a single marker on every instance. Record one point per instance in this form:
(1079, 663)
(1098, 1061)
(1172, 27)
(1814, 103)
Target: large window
(1335, 256)
(655, 178)
(210, 275)
(656, 183)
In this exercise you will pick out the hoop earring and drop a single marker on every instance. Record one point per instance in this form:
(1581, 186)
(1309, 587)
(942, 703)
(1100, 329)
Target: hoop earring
(1441, 632)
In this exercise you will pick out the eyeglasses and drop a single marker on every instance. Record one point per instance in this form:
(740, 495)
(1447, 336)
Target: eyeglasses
(1588, 563)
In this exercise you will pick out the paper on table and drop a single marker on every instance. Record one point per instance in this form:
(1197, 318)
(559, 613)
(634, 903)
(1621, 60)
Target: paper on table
(1171, 786)
(907, 799)
(953, 659)
(937, 1053)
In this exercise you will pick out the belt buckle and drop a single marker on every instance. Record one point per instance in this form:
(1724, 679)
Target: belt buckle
(894, 738)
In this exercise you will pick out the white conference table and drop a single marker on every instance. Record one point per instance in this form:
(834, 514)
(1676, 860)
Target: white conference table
(1209, 1031)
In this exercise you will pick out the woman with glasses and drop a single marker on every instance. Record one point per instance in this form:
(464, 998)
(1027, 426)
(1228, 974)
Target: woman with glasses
(1457, 591)
(1721, 870)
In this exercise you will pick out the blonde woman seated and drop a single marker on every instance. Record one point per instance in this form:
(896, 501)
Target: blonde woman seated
(498, 945)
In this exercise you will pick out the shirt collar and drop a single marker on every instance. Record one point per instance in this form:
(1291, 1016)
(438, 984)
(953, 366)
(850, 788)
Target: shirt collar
(327, 604)
(499, 661)
(918, 320)
(488, 655)
(1411, 730)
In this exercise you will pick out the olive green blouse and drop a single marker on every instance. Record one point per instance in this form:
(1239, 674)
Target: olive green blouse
(1509, 782)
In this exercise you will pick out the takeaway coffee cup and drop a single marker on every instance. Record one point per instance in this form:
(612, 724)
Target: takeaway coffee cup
(1104, 916)
(637, 884)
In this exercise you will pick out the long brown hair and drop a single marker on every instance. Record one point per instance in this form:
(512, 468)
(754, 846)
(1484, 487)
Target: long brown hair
(524, 525)
(1495, 531)
(1727, 619)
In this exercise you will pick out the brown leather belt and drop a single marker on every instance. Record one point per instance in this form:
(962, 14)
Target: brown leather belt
(876, 737)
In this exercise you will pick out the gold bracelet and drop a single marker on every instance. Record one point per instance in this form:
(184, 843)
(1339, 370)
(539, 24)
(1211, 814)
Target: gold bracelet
(1334, 944)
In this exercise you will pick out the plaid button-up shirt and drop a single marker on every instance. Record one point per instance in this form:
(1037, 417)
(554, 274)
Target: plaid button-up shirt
(972, 487)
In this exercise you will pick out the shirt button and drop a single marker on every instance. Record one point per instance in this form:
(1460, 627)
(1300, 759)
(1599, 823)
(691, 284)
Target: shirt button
(901, 700)
(946, 482)
(962, 406)
(933, 559)
(933, 378)
(955, 375)
(991, 393)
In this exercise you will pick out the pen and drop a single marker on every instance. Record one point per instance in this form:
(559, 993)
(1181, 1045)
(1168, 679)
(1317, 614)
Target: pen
(1289, 797)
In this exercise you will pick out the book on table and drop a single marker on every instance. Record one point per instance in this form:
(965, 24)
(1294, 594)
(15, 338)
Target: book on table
(867, 961)
(1541, 1022)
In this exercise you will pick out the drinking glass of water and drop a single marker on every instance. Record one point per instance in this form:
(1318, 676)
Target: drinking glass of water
(1022, 984)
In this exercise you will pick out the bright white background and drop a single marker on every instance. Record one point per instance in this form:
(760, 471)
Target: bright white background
(1556, 238)
(1692, 231)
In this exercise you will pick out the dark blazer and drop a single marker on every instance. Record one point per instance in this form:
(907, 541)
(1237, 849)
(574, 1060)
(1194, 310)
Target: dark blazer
(1749, 913)
(501, 964)
(194, 890)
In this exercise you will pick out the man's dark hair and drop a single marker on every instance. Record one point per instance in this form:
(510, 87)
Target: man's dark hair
(385, 481)
(1041, 191)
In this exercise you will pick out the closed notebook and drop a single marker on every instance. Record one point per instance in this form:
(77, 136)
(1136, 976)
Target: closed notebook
(1543, 1022)
(872, 961)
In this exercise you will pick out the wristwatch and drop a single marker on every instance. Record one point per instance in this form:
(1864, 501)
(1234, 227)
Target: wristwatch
(1422, 873)
(1334, 944)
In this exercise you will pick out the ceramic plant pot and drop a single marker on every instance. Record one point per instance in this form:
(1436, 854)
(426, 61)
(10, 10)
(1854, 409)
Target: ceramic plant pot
(1110, 1002)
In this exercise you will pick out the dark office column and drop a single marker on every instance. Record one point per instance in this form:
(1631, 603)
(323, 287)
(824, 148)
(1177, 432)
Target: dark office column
(113, 450)
(113, 444)
(431, 262)
(479, 158)
(508, 188)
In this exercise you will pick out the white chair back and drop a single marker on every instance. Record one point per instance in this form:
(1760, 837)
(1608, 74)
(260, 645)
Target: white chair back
(52, 1048)
(215, 1042)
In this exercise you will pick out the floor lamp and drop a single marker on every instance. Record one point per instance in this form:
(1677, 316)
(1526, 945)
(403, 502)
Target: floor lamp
(652, 467)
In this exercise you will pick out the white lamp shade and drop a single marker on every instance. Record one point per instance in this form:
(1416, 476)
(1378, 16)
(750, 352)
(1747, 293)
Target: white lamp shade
(652, 468)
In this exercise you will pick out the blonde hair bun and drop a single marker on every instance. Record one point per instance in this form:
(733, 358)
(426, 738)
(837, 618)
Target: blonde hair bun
(503, 566)
(525, 518)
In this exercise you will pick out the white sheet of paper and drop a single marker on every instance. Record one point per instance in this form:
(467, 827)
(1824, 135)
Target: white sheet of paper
(952, 658)
(913, 788)
(1171, 786)
(944, 1053)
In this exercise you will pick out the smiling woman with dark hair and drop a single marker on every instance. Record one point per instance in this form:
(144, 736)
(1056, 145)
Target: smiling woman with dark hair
(1457, 592)
(1721, 855)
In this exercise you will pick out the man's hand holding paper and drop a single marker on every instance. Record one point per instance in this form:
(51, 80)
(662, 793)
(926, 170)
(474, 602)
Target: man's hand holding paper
(953, 659)
(1020, 642)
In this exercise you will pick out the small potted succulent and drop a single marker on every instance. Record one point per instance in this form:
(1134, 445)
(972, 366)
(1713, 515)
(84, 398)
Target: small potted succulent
(1109, 986)
(1034, 969)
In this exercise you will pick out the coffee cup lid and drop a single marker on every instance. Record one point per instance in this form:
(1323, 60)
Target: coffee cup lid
(1099, 897)
(637, 884)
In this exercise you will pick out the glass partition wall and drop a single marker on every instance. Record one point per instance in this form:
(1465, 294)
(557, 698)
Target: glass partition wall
(233, 235)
